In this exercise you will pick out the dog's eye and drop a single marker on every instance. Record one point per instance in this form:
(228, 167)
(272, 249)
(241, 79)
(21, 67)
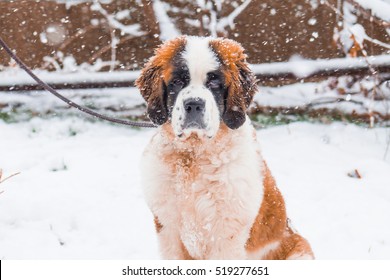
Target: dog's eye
(213, 84)
(212, 76)
(177, 83)
(213, 81)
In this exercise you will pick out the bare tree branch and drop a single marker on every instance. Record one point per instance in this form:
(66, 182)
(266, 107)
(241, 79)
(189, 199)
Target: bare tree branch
(368, 14)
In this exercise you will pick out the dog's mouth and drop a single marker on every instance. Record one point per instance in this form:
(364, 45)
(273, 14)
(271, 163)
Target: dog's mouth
(200, 129)
(194, 130)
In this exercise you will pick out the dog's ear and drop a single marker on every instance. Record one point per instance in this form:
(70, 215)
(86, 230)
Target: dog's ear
(239, 79)
(155, 74)
(151, 86)
(240, 95)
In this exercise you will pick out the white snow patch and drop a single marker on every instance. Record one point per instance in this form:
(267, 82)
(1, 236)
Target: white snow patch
(77, 196)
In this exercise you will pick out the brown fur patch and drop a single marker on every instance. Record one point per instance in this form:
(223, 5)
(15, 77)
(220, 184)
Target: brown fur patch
(239, 80)
(158, 225)
(271, 222)
(159, 67)
(238, 77)
(194, 153)
(291, 245)
(271, 226)
(157, 71)
(186, 255)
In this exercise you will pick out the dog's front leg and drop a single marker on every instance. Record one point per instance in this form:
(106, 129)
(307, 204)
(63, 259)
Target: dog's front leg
(171, 246)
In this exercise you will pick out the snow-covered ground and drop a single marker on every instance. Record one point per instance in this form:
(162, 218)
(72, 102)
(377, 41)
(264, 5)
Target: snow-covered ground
(79, 195)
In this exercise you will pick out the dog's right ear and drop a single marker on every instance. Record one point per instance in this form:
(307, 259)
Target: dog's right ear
(156, 72)
(150, 84)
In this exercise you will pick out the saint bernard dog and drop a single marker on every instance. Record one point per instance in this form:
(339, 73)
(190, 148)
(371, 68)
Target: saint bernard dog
(205, 181)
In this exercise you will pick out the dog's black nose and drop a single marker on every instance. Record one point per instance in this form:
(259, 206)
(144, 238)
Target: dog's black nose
(194, 113)
(194, 106)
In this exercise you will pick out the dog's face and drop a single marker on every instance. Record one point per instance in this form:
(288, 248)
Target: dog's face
(196, 83)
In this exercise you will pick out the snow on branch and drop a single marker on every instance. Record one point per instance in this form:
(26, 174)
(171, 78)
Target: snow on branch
(304, 68)
(209, 16)
(167, 28)
(133, 29)
(360, 35)
(268, 73)
(353, 33)
(229, 20)
(366, 12)
(378, 8)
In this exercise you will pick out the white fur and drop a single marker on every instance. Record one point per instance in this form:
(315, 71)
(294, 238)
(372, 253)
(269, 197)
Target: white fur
(264, 251)
(200, 60)
(211, 215)
(301, 257)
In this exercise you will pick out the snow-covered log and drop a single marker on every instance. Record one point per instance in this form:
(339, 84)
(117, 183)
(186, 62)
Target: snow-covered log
(271, 74)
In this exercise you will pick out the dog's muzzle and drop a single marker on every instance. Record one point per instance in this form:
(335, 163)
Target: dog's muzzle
(195, 112)
(194, 109)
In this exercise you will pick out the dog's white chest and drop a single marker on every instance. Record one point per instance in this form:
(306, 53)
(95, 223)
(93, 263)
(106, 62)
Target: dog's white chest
(209, 200)
(214, 206)
(218, 207)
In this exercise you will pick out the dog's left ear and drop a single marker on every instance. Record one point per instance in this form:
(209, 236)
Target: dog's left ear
(240, 80)
(150, 84)
(240, 95)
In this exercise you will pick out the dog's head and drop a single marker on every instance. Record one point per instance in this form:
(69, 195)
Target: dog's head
(196, 83)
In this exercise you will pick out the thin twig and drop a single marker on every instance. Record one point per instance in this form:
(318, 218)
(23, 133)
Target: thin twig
(330, 101)
(78, 34)
(6, 178)
(107, 48)
(53, 60)
(387, 145)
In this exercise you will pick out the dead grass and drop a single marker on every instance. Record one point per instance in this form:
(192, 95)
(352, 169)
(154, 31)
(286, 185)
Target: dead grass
(6, 178)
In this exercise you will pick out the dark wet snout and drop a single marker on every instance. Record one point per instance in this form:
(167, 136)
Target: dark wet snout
(194, 106)
(194, 113)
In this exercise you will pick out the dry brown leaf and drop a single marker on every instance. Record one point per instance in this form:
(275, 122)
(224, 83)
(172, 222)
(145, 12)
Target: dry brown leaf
(355, 174)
